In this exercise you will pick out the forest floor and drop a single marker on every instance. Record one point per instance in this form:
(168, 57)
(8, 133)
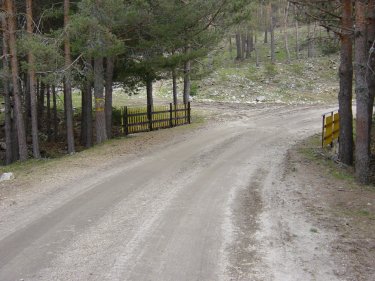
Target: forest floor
(246, 195)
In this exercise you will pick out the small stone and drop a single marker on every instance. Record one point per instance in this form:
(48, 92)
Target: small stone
(7, 177)
(260, 99)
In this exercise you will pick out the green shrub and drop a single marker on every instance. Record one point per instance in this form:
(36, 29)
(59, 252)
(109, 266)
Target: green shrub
(270, 70)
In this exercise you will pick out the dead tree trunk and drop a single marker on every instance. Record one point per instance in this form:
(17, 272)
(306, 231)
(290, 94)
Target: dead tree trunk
(21, 135)
(346, 85)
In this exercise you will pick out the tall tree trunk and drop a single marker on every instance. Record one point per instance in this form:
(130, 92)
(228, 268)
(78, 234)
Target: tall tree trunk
(32, 80)
(22, 145)
(362, 148)
(238, 45)
(187, 83)
(256, 50)
(265, 15)
(55, 122)
(27, 107)
(86, 127)
(108, 95)
(149, 90)
(309, 41)
(7, 103)
(243, 45)
(346, 86)
(249, 44)
(100, 124)
(174, 86)
(286, 32)
(371, 62)
(297, 34)
(272, 17)
(49, 112)
(230, 47)
(68, 83)
(41, 95)
(15, 143)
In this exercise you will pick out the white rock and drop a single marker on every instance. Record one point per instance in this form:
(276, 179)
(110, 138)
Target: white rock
(7, 177)
(260, 99)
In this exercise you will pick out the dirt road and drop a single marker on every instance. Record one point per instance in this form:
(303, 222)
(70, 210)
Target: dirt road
(210, 206)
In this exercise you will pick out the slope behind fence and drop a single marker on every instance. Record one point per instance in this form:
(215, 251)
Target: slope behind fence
(144, 119)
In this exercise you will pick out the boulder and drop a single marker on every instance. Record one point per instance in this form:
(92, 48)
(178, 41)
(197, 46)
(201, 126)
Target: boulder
(6, 177)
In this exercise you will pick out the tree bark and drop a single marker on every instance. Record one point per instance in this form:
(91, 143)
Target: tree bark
(286, 32)
(297, 37)
(108, 95)
(272, 17)
(346, 86)
(249, 44)
(150, 98)
(266, 26)
(68, 84)
(55, 122)
(362, 149)
(32, 81)
(48, 112)
(238, 45)
(7, 102)
(100, 124)
(22, 145)
(174, 86)
(309, 41)
(243, 45)
(230, 47)
(370, 75)
(86, 126)
(187, 83)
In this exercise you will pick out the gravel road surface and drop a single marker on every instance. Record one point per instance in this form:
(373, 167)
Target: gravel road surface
(208, 207)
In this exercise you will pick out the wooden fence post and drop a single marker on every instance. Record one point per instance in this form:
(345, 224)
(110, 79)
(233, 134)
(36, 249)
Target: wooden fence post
(189, 113)
(122, 120)
(126, 124)
(170, 115)
(150, 113)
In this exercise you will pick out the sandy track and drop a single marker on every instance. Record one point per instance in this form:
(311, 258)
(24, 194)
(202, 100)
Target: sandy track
(212, 206)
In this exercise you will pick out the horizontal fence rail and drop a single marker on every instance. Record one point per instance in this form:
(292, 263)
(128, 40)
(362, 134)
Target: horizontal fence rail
(331, 128)
(145, 119)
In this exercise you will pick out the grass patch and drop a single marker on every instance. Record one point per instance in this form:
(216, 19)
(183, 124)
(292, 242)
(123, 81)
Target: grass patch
(311, 149)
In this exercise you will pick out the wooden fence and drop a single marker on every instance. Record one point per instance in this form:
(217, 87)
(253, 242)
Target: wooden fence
(144, 119)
